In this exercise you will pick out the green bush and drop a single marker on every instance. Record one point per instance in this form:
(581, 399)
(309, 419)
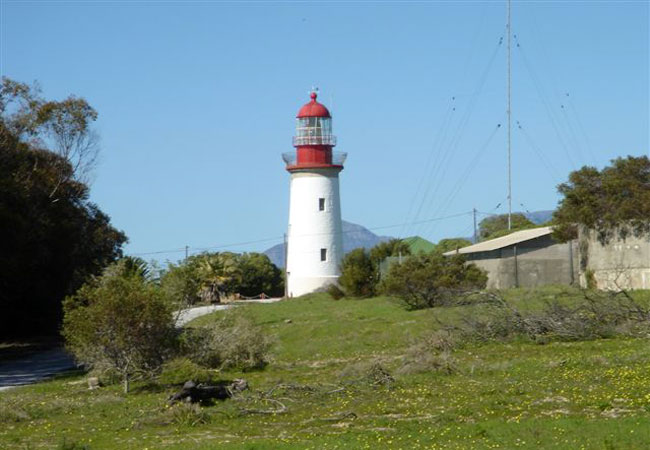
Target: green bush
(358, 274)
(360, 268)
(428, 280)
(120, 322)
(335, 292)
(179, 370)
(232, 341)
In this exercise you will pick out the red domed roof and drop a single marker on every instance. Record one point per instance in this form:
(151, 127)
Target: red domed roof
(313, 109)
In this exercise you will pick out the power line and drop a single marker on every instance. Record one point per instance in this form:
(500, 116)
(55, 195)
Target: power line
(437, 176)
(383, 227)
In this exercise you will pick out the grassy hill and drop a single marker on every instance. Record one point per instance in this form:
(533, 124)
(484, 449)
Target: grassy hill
(418, 244)
(338, 371)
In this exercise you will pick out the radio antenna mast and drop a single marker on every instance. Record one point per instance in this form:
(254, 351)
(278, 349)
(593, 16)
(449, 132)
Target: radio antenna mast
(509, 128)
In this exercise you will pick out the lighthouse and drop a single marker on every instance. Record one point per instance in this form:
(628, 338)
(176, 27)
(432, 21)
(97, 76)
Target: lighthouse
(314, 239)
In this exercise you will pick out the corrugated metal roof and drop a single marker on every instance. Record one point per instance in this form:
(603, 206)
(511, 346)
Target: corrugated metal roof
(504, 241)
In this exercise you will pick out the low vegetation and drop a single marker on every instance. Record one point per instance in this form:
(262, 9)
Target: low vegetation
(428, 280)
(369, 373)
(360, 274)
(121, 323)
(231, 341)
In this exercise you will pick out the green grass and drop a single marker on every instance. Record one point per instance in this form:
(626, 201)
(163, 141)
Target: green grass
(517, 394)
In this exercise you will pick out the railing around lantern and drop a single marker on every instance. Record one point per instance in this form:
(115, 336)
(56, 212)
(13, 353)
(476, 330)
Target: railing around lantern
(327, 139)
(291, 159)
(338, 158)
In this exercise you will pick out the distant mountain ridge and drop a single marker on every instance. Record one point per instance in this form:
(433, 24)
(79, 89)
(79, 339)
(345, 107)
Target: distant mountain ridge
(358, 236)
(354, 236)
(539, 217)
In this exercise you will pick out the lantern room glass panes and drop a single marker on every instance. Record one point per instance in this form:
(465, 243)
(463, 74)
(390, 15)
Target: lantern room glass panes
(314, 126)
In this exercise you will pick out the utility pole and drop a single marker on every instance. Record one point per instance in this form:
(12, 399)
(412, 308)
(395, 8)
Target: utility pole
(286, 278)
(475, 233)
(186, 251)
(509, 129)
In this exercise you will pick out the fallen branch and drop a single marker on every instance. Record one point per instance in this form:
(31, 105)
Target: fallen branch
(281, 408)
(193, 394)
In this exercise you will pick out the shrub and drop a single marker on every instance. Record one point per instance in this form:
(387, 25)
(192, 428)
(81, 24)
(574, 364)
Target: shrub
(120, 322)
(429, 280)
(72, 445)
(600, 315)
(12, 411)
(188, 414)
(179, 370)
(181, 283)
(367, 373)
(358, 274)
(232, 341)
(431, 353)
(335, 292)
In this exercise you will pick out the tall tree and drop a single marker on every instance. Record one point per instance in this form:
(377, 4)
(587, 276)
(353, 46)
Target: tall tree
(393, 247)
(449, 244)
(63, 127)
(497, 226)
(615, 201)
(51, 243)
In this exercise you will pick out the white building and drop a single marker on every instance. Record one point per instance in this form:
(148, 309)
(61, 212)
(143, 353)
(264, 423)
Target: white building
(314, 239)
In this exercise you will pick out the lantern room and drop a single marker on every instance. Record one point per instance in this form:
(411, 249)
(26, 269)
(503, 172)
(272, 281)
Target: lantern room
(314, 139)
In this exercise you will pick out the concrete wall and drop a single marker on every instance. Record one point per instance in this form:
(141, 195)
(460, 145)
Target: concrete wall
(620, 264)
(537, 262)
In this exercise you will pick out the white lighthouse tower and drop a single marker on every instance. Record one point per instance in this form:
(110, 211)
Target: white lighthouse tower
(314, 241)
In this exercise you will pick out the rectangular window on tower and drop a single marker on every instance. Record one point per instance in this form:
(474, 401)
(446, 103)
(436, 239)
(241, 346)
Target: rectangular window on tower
(323, 254)
(321, 204)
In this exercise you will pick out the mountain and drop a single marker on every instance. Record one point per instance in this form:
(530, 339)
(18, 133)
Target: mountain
(539, 217)
(354, 236)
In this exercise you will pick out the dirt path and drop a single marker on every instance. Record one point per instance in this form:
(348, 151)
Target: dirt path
(35, 367)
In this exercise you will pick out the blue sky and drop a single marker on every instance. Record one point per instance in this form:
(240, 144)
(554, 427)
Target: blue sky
(197, 101)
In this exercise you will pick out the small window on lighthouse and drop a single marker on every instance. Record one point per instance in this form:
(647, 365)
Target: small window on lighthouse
(323, 254)
(321, 204)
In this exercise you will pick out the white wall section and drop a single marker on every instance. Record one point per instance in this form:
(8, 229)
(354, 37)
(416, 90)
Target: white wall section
(310, 230)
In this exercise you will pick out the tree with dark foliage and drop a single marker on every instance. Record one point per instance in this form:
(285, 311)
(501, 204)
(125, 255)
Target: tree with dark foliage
(615, 201)
(497, 226)
(53, 236)
(360, 268)
(208, 276)
(358, 274)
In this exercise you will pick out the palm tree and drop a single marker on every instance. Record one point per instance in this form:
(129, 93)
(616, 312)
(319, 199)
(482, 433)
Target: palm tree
(217, 272)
